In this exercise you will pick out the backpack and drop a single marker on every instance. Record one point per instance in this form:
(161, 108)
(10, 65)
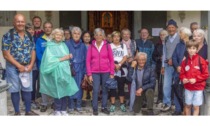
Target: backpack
(11, 31)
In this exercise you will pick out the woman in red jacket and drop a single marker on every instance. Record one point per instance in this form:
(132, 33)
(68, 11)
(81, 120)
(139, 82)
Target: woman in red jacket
(194, 73)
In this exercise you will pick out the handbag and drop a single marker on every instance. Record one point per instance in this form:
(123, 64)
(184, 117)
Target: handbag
(111, 83)
(86, 86)
(73, 73)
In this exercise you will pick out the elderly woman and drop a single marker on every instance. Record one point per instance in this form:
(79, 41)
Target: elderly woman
(199, 36)
(143, 84)
(157, 56)
(100, 66)
(179, 54)
(78, 49)
(55, 76)
(120, 54)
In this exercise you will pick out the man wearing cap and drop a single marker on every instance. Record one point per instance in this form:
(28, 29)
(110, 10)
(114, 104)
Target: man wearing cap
(167, 67)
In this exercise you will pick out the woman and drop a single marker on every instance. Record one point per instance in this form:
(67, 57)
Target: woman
(157, 57)
(78, 49)
(55, 78)
(179, 54)
(86, 38)
(199, 36)
(120, 54)
(100, 66)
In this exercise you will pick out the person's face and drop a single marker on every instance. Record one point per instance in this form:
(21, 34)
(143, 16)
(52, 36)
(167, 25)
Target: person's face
(126, 36)
(193, 28)
(171, 30)
(19, 23)
(47, 28)
(99, 37)
(76, 36)
(192, 50)
(58, 37)
(37, 23)
(144, 34)
(141, 61)
(182, 35)
(198, 37)
(31, 31)
(67, 35)
(116, 38)
(162, 36)
(109, 38)
(86, 38)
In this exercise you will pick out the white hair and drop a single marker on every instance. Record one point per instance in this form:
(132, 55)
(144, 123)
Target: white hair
(97, 30)
(141, 53)
(57, 30)
(200, 32)
(76, 29)
(185, 31)
(163, 32)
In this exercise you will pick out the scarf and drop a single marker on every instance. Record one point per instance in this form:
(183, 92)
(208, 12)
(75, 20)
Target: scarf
(128, 43)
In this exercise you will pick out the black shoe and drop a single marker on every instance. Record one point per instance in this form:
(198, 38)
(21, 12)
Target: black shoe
(144, 106)
(17, 114)
(106, 111)
(83, 103)
(43, 108)
(95, 112)
(176, 113)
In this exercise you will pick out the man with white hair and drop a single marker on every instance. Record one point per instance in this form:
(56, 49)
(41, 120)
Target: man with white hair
(143, 84)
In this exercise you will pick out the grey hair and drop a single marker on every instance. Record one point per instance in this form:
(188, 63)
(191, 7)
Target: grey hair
(125, 30)
(141, 53)
(97, 30)
(163, 32)
(76, 29)
(57, 30)
(186, 31)
(200, 32)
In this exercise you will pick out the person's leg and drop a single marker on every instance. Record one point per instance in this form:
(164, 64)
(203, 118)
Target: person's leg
(104, 77)
(188, 101)
(188, 109)
(57, 105)
(15, 97)
(34, 83)
(121, 93)
(96, 87)
(195, 110)
(64, 103)
(27, 100)
(149, 98)
(44, 103)
(113, 94)
(84, 98)
(197, 101)
(137, 104)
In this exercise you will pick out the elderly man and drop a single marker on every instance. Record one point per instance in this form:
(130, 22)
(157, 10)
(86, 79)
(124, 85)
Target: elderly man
(19, 52)
(143, 84)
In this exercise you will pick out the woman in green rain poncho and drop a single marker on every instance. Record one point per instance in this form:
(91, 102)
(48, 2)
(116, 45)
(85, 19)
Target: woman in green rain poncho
(55, 76)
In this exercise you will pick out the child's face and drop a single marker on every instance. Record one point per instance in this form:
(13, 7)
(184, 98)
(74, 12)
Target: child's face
(192, 50)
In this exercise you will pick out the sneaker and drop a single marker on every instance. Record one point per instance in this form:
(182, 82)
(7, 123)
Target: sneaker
(105, 111)
(31, 113)
(166, 108)
(79, 110)
(34, 106)
(70, 111)
(112, 108)
(43, 108)
(95, 112)
(122, 107)
(64, 113)
(57, 113)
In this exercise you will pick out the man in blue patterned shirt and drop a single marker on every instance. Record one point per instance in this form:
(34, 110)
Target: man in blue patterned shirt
(19, 52)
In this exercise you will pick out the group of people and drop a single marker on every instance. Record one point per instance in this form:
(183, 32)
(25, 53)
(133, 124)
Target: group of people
(55, 62)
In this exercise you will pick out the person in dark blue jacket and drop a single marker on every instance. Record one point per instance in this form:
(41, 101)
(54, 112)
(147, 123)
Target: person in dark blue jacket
(179, 54)
(78, 49)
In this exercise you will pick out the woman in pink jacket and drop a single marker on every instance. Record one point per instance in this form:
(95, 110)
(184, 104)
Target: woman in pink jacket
(100, 66)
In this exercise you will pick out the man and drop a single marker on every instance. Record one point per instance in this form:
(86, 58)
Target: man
(145, 45)
(67, 35)
(167, 66)
(19, 52)
(37, 22)
(143, 84)
(193, 27)
(40, 48)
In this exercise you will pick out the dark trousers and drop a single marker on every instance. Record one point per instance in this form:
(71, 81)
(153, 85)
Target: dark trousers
(120, 85)
(35, 83)
(149, 95)
(160, 86)
(60, 104)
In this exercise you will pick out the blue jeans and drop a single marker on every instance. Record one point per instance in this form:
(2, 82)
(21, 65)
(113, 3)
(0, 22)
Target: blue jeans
(99, 78)
(168, 76)
(60, 104)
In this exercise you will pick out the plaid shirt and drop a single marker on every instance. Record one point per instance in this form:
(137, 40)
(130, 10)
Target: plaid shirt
(19, 48)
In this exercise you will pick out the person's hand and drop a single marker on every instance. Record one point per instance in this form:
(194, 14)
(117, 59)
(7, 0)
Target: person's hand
(71, 56)
(178, 69)
(111, 76)
(29, 68)
(185, 80)
(129, 59)
(117, 67)
(134, 63)
(162, 70)
(170, 62)
(90, 79)
(67, 57)
(192, 80)
(139, 92)
(21, 68)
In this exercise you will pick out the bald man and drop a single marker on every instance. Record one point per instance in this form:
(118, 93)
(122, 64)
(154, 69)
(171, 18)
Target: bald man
(19, 53)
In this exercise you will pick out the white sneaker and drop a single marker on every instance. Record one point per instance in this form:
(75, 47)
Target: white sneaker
(57, 113)
(64, 113)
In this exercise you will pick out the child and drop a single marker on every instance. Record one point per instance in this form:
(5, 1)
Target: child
(194, 73)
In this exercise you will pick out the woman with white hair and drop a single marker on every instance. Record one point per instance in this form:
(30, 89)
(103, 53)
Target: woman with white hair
(199, 36)
(55, 77)
(179, 54)
(78, 49)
